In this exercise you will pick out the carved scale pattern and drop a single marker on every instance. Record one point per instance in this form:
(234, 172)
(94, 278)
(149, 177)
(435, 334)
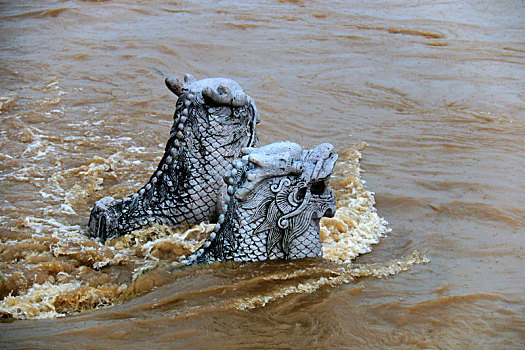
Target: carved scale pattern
(278, 218)
(187, 184)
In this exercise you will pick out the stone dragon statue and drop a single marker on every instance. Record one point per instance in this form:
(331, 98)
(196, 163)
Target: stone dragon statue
(267, 202)
(275, 198)
(214, 119)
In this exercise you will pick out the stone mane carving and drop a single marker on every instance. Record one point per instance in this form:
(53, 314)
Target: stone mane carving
(214, 119)
(275, 199)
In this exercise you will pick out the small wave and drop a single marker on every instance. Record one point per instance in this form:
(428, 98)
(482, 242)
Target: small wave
(332, 277)
(405, 31)
(7, 102)
(39, 13)
(50, 300)
(513, 217)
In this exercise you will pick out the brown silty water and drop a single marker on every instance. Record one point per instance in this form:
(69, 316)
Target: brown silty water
(423, 100)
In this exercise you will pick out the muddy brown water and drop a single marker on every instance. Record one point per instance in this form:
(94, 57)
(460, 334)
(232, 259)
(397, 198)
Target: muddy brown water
(423, 100)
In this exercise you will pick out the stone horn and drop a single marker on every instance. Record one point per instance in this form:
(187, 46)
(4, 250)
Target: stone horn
(176, 85)
(224, 96)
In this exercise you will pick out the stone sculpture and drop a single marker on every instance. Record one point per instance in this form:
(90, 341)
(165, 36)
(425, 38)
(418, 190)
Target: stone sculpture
(275, 199)
(214, 119)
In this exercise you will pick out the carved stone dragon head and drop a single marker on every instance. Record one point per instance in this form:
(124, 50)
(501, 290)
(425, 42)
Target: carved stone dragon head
(275, 199)
(213, 121)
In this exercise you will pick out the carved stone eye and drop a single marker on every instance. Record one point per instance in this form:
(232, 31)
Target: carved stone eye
(301, 193)
(318, 188)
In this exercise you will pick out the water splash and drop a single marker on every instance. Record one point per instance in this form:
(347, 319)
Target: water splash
(50, 268)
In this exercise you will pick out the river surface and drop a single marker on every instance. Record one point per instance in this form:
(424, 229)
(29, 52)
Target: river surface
(423, 100)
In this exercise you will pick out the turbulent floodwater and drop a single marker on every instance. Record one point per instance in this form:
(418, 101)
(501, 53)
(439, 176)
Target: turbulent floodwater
(427, 98)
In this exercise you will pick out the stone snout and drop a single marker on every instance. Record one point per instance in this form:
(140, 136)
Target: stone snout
(103, 221)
